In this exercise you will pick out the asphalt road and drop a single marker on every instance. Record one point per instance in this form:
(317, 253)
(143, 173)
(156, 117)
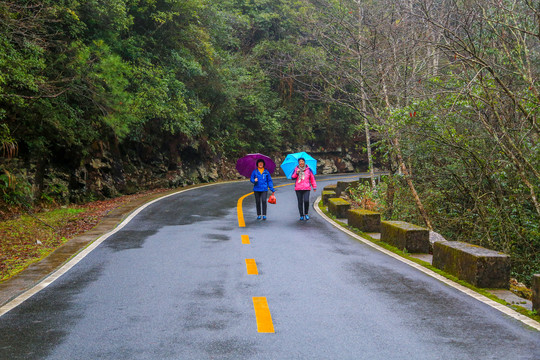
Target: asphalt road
(174, 284)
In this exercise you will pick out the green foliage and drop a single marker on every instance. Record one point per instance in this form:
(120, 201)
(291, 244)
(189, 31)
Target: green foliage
(82, 72)
(54, 192)
(15, 190)
(368, 198)
(7, 143)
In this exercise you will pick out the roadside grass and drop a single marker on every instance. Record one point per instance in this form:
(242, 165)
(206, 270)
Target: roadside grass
(531, 314)
(29, 238)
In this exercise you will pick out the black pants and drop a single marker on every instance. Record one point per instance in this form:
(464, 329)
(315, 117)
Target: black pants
(303, 201)
(260, 201)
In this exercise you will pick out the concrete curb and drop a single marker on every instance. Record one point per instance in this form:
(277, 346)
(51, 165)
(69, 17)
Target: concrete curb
(502, 308)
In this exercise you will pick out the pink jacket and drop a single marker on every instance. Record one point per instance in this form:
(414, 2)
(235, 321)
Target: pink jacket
(307, 182)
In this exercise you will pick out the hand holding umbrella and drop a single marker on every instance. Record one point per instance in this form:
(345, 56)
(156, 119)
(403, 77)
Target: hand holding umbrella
(257, 166)
(291, 161)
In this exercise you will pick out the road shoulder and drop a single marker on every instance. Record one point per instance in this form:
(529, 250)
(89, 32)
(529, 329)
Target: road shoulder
(500, 307)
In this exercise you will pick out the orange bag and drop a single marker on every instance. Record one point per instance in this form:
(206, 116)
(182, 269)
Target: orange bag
(272, 199)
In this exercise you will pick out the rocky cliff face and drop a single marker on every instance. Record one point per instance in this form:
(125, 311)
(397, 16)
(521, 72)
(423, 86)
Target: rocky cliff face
(331, 161)
(110, 170)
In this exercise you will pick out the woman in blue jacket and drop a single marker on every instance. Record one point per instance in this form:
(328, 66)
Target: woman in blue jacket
(263, 181)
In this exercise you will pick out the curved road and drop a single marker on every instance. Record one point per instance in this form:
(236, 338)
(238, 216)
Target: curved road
(174, 284)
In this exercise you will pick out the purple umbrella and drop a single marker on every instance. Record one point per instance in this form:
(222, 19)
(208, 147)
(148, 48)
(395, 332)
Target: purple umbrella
(245, 165)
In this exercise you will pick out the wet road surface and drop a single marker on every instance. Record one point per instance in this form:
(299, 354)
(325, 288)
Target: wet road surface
(173, 284)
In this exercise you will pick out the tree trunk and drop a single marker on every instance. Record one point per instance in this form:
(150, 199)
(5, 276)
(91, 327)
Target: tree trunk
(370, 158)
(390, 192)
(364, 106)
(368, 137)
(395, 143)
(417, 200)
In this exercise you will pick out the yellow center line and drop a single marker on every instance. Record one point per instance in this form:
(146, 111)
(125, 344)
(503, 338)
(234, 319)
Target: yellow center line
(263, 316)
(262, 311)
(240, 211)
(251, 267)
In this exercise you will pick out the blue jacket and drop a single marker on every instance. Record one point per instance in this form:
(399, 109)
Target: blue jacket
(264, 182)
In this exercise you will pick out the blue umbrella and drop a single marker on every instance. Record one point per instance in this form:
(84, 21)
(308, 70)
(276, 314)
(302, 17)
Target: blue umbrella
(291, 161)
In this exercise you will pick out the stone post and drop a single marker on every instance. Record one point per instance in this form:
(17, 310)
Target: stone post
(365, 220)
(403, 235)
(326, 194)
(536, 292)
(338, 207)
(477, 265)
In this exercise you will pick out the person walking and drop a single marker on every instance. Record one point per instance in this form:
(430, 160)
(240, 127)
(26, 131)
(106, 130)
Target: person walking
(305, 180)
(263, 181)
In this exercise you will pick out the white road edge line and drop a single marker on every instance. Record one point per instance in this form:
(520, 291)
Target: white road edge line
(10, 305)
(502, 308)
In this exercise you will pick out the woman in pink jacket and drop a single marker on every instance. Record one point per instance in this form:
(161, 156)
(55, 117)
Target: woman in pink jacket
(304, 181)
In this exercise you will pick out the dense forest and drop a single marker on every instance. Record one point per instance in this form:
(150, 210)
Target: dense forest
(138, 93)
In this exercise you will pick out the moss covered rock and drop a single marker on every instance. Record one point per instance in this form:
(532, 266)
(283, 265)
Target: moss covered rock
(327, 194)
(341, 186)
(364, 220)
(331, 187)
(405, 236)
(477, 265)
(338, 207)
